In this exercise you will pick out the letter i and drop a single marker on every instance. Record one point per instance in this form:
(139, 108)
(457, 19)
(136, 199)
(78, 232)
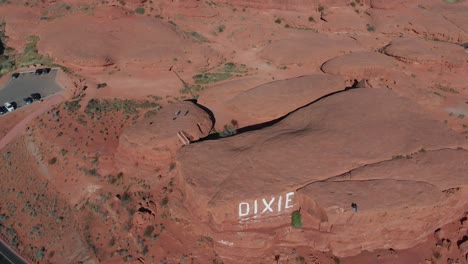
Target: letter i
(279, 203)
(255, 207)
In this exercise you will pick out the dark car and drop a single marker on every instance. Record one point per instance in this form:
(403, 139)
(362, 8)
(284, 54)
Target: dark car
(15, 75)
(47, 70)
(28, 100)
(36, 96)
(38, 71)
(3, 110)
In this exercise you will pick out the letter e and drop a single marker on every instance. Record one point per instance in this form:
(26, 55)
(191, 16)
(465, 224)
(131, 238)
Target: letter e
(288, 199)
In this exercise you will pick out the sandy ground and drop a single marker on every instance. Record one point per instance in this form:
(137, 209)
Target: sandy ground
(75, 191)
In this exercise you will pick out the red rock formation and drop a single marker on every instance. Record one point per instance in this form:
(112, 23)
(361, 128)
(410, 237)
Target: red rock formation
(245, 188)
(154, 140)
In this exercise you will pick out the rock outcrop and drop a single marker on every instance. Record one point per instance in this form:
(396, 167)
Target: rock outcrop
(307, 50)
(267, 102)
(361, 65)
(421, 51)
(245, 188)
(154, 140)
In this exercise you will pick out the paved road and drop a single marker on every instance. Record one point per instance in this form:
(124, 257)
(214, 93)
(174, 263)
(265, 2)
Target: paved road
(8, 255)
(28, 83)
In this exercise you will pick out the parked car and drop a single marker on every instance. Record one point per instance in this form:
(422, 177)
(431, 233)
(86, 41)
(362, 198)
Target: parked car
(10, 106)
(15, 75)
(38, 71)
(36, 96)
(47, 70)
(28, 100)
(3, 110)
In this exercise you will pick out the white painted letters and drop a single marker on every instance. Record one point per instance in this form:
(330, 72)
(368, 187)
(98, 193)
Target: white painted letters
(246, 212)
(279, 203)
(267, 205)
(288, 199)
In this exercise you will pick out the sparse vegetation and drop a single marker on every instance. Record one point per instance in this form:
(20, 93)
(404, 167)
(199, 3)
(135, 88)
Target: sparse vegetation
(311, 19)
(97, 108)
(370, 28)
(278, 21)
(224, 73)
(211, 77)
(447, 89)
(31, 54)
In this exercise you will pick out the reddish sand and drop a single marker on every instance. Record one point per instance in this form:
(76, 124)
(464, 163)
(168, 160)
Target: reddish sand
(101, 175)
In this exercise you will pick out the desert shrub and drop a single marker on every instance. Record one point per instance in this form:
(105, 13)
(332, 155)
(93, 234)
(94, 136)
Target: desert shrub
(221, 28)
(172, 166)
(370, 28)
(278, 21)
(126, 198)
(198, 36)
(52, 161)
(296, 219)
(229, 130)
(287, 26)
(140, 10)
(164, 202)
(101, 85)
(311, 19)
(149, 231)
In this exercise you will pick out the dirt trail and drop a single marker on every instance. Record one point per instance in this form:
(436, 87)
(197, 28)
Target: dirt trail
(18, 129)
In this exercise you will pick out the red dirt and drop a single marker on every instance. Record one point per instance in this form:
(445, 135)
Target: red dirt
(86, 177)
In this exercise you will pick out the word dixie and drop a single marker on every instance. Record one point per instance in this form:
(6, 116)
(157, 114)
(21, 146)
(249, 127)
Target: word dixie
(266, 205)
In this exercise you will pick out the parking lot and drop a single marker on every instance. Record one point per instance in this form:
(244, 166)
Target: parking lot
(26, 84)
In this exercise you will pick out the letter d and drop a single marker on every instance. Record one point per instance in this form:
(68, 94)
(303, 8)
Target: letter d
(244, 212)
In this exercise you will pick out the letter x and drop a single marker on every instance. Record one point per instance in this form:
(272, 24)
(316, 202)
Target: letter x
(268, 205)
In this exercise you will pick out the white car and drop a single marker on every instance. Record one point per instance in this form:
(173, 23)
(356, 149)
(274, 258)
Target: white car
(10, 107)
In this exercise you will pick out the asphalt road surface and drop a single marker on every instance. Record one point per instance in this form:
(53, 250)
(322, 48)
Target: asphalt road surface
(26, 84)
(8, 256)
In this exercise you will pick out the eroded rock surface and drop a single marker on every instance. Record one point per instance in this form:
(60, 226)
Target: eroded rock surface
(438, 53)
(361, 65)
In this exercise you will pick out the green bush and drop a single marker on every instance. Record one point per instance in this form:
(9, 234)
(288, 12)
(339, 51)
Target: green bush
(296, 219)
(278, 21)
(140, 10)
